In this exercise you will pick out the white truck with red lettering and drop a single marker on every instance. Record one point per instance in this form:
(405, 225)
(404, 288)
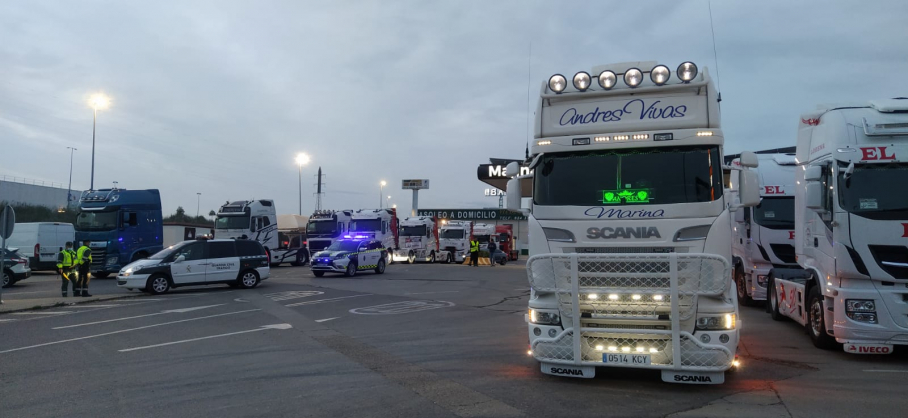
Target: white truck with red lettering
(379, 224)
(851, 229)
(418, 238)
(763, 236)
(454, 239)
(629, 226)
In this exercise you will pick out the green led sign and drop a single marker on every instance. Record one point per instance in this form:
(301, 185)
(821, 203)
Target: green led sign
(614, 197)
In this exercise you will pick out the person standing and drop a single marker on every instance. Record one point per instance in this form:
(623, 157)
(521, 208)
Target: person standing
(65, 265)
(492, 248)
(83, 258)
(474, 253)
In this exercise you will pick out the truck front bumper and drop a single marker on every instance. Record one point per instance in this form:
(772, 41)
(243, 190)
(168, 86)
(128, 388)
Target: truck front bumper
(891, 315)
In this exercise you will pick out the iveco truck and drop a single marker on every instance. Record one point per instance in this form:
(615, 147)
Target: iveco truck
(851, 229)
(629, 231)
(763, 236)
(122, 225)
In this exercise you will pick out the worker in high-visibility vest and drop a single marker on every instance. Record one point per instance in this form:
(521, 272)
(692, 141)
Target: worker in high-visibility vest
(474, 252)
(83, 258)
(66, 262)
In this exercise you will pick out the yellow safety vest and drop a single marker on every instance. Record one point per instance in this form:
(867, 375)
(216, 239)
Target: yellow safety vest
(67, 259)
(80, 255)
(474, 246)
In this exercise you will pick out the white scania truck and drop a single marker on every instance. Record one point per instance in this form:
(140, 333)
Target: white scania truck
(454, 239)
(257, 220)
(418, 238)
(325, 227)
(851, 229)
(763, 236)
(629, 230)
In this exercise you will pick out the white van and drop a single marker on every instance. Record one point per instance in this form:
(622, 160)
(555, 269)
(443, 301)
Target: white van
(41, 241)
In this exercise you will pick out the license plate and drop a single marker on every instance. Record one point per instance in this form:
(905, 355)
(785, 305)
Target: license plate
(633, 359)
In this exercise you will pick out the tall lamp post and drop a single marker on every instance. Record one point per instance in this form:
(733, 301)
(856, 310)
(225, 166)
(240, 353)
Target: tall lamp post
(388, 203)
(97, 102)
(301, 160)
(198, 201)
(69, 192)
(381, 192)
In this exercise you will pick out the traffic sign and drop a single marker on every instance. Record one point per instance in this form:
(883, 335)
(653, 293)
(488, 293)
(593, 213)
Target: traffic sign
(7, 222)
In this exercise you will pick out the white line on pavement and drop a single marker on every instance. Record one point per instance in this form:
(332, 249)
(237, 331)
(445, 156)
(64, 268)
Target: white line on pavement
(313, 302)
(42, 313)
(326, 319)
(887, 371)
(7, 320)
(25, 293)
(91, 306)
(430, 293)
(183, 310)
(125, 330)
(262, 328)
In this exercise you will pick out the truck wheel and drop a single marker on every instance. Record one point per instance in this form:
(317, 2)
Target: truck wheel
(389, 260)
(380, 269)
(157, 284)
(773, 305)
(351, 270)
(741, 284)
(816, 320)
(318, 273)
(449, 259)
(301, 259)
(432, 257)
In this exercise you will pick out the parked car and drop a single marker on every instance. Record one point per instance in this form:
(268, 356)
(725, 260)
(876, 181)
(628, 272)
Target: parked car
(40, 242)
(15, 267)
(238, 263)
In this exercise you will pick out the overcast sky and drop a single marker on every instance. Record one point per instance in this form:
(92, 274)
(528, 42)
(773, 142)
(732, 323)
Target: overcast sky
(218, 97)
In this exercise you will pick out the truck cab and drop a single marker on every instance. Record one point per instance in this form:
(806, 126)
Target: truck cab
(851, 227)
(122, 225)
(454, 238)
(378, 224)
(629, 230)
(418, 239)
(763, 236)
(325, 227)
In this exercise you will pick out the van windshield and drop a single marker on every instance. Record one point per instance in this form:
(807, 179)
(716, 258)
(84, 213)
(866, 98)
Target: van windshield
(232, 222)
(96, 221)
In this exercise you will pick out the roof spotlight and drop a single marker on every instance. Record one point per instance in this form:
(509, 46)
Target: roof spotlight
(607, 79)
(557, 83)
(582, 81)
(687, 71)
(633, 77)
(660, 75)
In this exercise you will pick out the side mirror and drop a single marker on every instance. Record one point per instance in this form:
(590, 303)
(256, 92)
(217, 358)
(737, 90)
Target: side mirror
(749, 159)
(739, 215)
(814, 196)
(813, 173)
(512, 169)
(513, 193)
(749, 192)
(180, 259)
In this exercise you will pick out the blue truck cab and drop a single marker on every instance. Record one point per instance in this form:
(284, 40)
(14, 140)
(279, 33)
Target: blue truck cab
(122, 225)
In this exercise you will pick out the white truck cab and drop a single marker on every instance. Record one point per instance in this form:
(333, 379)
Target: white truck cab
(418, 239)
(763, 236)
(256, 220)
(629, 230)
(378, 224)
(454, 239)
(851, 229)
(325, 227)
(484, 233)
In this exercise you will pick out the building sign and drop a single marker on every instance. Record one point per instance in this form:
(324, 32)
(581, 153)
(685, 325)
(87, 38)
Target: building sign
(473, 214)
(494, 192)
(415, 184)
(497, 171)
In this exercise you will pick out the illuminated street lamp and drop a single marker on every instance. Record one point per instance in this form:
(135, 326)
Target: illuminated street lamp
(301, 160)
(381, 190)
(97, 102)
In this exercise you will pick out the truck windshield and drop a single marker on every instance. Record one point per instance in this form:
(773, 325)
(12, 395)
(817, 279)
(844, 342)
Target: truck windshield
(327, 226)
(365, 225)
(775, 213)
(413, 231)
(232, 222)
(629, 177)
(483, 239)
(873, 191)
(343, 246)
(452, 233)
(96, 221)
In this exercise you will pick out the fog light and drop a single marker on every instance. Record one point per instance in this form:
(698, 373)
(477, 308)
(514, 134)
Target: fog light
(653, 350)
(705, 338)
(687, 71)
(537, 332)
(552, 332)
(607, 79)
(657, 298)
(660, 75)
(626, 349)
(636, 297)
(592, 296)
(582, 81)
(723, 338)
(633, 77)
(557, 83)
(600, 348)
(640, 349)
(613, 297)
(612, 348)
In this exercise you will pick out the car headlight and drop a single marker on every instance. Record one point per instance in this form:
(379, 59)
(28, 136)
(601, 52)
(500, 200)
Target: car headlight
(544, 317)
(718, 322)
(557, 83)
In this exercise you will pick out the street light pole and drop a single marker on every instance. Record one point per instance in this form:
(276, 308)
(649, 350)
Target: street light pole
(301, 159)
(198, 201)
(381, 192)
(69, 191)
(94, 122)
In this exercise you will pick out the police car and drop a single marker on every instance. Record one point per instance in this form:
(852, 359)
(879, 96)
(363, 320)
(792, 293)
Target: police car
(349, 255)
(238, 263)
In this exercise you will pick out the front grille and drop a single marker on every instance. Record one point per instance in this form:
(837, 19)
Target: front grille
(98, 257)
(891, 258)
(785, 252)
(624, 250)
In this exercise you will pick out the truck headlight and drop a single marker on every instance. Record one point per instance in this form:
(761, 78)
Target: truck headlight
(862, 310)
(718, 322)
(112, 260)
(544, 317)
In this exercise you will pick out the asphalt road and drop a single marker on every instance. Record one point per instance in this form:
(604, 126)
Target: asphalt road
(418, 341)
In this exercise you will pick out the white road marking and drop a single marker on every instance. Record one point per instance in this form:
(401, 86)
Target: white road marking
(42, 313)
(8, 293)
(887, 371)
(402, 307)
(184, 310)
(313, 302)
(326, 319)
(240, 300)
(125, 330)
(430, 293)
(91, 306)
(262, 328)
(7, 320)
(294, 294)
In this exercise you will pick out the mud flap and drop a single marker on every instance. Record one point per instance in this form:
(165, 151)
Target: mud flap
(587, 372)
(695, 378)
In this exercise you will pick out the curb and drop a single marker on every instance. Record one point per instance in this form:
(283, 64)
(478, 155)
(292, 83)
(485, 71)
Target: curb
(100, 298)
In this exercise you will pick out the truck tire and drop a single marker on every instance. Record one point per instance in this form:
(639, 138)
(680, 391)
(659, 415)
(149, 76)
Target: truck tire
(302, 258)
(816, 320)
(411, 257)
(449, 259)
(432, 257)
(741, 285)
(772, 305)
